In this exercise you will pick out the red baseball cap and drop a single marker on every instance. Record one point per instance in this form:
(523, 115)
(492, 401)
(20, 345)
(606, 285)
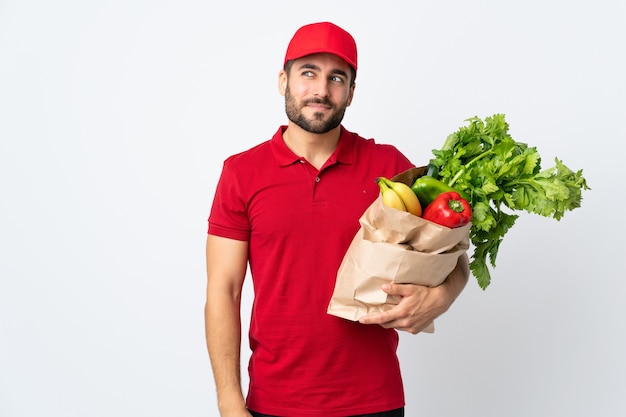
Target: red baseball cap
(323, 37)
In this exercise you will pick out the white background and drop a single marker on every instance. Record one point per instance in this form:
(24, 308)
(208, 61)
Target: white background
(115, 118)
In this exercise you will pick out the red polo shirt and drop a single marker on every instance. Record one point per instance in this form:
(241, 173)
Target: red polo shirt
(299, 221)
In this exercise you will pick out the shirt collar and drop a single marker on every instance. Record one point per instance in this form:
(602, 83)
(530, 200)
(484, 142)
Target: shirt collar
(284, 156)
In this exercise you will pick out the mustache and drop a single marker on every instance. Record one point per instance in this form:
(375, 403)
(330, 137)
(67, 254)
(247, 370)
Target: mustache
(323, 101)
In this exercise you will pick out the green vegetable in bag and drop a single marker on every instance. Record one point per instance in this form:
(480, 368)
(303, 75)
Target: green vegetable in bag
(482, 161)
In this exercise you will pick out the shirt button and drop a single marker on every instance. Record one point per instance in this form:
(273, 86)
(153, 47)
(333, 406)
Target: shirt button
(302, 161)
(317, 179)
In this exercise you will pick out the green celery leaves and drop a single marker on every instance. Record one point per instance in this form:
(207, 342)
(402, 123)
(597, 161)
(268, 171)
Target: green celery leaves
(498, 173)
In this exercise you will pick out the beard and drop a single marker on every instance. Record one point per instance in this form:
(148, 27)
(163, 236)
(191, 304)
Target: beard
(318, 124)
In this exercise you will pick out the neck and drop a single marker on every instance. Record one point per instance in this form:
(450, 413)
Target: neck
(315, 148)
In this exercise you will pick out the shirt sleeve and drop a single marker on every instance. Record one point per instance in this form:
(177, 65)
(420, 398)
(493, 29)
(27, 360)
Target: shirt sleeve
(229, 217)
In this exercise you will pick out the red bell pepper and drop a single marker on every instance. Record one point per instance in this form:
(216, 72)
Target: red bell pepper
(448, 209)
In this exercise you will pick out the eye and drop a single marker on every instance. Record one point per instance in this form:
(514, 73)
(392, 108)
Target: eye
(308, 73)
(337, 79)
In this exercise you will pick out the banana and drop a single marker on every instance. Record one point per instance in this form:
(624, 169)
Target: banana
(408, 197)
(390, 197)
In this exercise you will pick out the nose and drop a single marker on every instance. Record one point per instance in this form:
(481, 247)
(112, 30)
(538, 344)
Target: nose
(321, 88)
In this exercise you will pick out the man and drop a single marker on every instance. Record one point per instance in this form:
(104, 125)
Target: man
(289, 208)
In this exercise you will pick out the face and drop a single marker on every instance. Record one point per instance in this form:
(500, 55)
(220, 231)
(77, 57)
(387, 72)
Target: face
(317, 91)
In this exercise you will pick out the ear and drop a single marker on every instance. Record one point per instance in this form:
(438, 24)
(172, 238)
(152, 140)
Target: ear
(282, 82)
(351, 95)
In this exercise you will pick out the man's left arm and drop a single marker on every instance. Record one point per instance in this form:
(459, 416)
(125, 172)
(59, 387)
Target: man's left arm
(421, 305)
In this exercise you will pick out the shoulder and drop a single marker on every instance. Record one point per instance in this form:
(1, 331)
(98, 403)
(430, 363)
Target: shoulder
(372, 145)
(246, 160)
(382, 157)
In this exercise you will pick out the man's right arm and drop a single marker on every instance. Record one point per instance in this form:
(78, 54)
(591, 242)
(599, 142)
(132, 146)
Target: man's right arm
(226, 263)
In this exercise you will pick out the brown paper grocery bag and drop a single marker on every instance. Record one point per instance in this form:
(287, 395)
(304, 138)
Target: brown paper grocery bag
(393, 246)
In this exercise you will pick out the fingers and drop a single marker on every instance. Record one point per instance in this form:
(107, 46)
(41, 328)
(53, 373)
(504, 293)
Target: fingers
(399, 289)
(396, 318)
(402, 324)
(378, 318)
(392, 317)
(408, 315)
